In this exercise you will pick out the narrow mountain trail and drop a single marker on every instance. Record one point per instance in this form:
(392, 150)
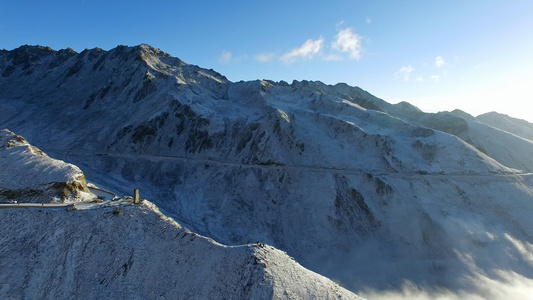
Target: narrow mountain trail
(33, 205)
(314, 168)
(311, 168)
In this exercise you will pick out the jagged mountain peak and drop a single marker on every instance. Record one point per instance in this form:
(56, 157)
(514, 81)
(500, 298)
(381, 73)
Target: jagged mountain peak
(408, 107)
(32, 49)
(495, 115)
(32, 56)
(149, 89)
(462, 114)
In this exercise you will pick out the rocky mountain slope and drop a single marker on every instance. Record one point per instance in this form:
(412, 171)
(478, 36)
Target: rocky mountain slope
(346, 183)
(57, 181)
(117, 249)
(497, 139)
(518, 127)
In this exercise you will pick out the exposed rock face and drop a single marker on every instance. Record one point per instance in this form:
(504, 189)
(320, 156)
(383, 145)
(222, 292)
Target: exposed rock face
(26, 173)
(338, 178)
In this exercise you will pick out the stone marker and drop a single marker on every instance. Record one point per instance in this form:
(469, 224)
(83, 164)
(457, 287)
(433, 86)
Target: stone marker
(136, 199)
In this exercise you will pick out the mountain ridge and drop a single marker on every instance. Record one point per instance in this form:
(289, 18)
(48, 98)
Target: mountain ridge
(239, 149)
(58, 181)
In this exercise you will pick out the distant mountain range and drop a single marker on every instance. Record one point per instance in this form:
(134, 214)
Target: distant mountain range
(365, 192)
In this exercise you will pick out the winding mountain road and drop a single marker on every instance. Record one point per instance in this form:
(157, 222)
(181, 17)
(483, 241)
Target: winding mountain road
(312, 168)
(26, 205)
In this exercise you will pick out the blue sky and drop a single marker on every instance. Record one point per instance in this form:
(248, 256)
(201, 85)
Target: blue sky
(437, 55)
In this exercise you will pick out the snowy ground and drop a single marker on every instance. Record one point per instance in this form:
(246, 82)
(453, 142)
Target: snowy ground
(29, 175)
(117, 249)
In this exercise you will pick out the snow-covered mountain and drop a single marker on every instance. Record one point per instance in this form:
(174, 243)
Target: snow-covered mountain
(364, 192)
(507, 142)
(513, 125)
(117, 249)
(54, 180)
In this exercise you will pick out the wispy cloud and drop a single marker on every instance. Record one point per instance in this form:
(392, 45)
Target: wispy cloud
(265, 57)
(419, 79)
(435, 78)
(404, 72)
(345, 45)
(333, 57)
(225, 57)
(439, 61)
(368, 20)
(307, 51)
(348, 42)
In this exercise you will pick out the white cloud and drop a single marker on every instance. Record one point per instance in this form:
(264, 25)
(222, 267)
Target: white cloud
(307, 51)
(333, 57)
(346, 44)
(404, 72)
(368, 20)
(439, 61)
(349, 42)
(419, 79)
(225, 57)
(265, 57)
(436, 78)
